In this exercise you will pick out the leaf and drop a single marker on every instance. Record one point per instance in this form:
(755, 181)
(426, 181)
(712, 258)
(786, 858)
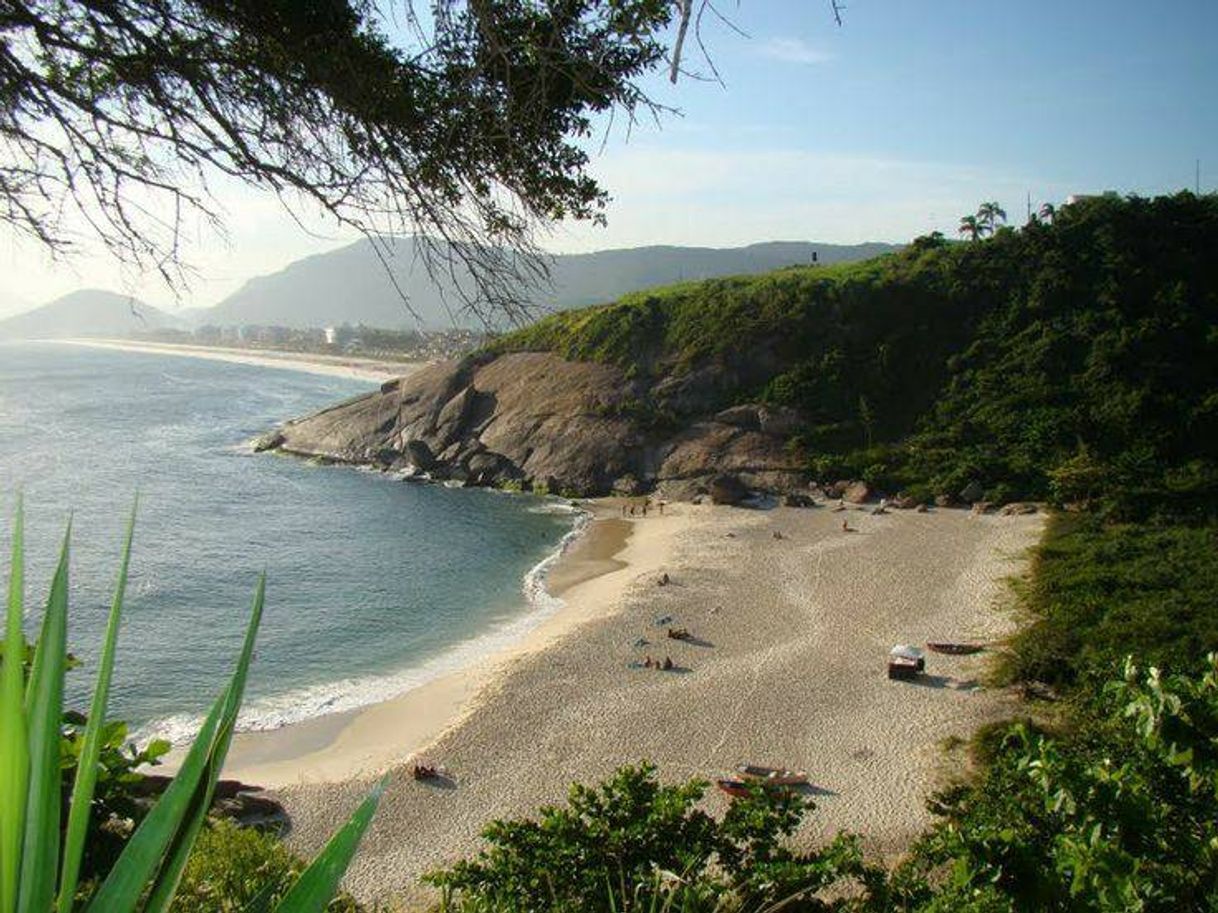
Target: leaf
(319, 882)
(170, 874)
(95, 731)
(14, 751)
(44, 707)
(155, 845)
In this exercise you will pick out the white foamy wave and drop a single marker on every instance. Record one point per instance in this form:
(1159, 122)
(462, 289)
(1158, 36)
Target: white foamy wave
(275, 711)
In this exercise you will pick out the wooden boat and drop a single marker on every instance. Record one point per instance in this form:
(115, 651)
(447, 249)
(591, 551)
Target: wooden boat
(954, 649)
(736, 788)
(773, 776)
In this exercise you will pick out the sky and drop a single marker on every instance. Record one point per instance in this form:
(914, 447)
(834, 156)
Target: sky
(894, 124)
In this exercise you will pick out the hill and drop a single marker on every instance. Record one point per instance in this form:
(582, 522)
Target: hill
(88, 312)
(1073, 361)
(351, 284)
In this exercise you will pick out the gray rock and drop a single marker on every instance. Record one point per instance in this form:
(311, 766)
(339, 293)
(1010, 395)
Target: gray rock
(798, 499)
(727, 489)
(973, 491)
(747, 416)
(419, 454)
(857, 492)
(1016, 508)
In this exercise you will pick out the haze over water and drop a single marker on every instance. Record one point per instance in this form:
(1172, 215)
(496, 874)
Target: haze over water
(373, 584)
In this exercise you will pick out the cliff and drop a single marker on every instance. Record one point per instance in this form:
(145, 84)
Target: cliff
(1072, 361)
(535, 419)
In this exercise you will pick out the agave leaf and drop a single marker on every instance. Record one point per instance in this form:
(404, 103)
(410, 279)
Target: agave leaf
(44, 707)
(152, 849)
(170, 873)
(86, 766)
(14, 752)
(319, 882)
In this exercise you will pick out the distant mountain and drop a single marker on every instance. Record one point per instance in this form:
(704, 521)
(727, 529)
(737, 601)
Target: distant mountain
(88, 312)
(351, 284)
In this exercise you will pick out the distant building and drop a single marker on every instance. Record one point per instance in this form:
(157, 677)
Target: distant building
(331, 336)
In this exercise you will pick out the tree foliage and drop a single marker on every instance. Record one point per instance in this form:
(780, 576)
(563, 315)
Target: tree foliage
(634, 843)
(461, 122)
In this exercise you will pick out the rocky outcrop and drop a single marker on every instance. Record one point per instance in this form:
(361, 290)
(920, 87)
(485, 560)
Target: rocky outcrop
(535, 419)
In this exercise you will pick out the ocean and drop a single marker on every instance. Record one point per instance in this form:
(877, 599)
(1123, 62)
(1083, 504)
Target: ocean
(374, 585)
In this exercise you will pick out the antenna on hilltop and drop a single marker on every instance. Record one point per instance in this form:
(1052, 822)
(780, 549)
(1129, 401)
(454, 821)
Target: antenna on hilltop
(1197, 179)
(1029, 206)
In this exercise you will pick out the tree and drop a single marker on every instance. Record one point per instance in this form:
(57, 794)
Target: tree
(990, 215)
(463, 128)
(971, 227)
(1048, 212)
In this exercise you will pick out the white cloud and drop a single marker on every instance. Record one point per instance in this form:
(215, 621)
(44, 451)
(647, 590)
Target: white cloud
(793, 50)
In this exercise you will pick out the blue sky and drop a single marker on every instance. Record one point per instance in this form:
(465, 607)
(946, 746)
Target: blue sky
(894, 124)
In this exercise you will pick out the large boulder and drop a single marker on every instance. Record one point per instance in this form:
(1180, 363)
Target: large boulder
(857, 492)
(727, 489)
(419, 454)
(973, 491)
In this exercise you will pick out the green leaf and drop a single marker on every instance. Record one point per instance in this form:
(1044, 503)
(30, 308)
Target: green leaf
(175, 862)
(319, 882)
(14, 751)
(86, 767)
(155, 846)
(44, 707)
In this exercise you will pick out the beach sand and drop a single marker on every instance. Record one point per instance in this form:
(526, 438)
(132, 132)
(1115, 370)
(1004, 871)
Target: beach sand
(370, 369)
(787, 668)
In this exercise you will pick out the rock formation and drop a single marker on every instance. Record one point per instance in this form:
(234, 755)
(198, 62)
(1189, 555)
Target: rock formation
(536, 420)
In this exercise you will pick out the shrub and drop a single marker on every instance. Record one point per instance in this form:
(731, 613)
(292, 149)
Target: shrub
(633, 843)
(231, 868)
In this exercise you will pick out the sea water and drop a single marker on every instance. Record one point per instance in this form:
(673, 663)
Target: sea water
(374, 585)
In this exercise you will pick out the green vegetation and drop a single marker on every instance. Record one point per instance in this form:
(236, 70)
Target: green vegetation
(44, 867)
(235, 869)
(1055, 824)
(634, 844)
(1101, 592)
(1074, 360)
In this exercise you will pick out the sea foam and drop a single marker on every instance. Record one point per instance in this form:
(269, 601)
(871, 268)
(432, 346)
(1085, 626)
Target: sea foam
(275, 711)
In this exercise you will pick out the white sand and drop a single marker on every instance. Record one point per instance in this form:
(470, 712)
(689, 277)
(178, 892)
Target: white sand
(313, 363)
(788, 670)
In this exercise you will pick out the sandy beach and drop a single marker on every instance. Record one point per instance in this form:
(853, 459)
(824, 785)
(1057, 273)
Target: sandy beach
(314, 363)
(786, 667)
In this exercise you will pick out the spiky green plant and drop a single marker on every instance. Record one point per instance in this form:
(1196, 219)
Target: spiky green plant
(37, 874)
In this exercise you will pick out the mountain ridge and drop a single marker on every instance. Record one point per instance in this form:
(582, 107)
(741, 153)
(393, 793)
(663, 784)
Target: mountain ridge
(87, 312)
(349, 285)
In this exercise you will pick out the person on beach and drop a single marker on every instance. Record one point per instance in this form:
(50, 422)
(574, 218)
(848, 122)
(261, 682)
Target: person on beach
(647, 664)
(644, 508)
(661, 508)
(667, 662)
(845, 527)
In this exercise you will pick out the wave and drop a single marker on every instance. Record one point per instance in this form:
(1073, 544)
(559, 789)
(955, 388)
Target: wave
(275, 711)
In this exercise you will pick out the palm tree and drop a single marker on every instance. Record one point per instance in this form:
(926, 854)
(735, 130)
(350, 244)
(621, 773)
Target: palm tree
(1047, 212)
(990, 215)
(970, 226)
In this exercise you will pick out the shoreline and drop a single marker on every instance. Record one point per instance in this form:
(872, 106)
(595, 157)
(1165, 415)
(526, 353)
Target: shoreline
(352, 744)
(791, 620)
(354, 367)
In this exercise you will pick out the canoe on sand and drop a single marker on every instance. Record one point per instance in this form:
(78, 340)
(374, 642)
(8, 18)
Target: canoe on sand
(773, 776)
(954, 649)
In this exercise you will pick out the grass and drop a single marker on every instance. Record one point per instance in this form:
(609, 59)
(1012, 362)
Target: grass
(1099, 592)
